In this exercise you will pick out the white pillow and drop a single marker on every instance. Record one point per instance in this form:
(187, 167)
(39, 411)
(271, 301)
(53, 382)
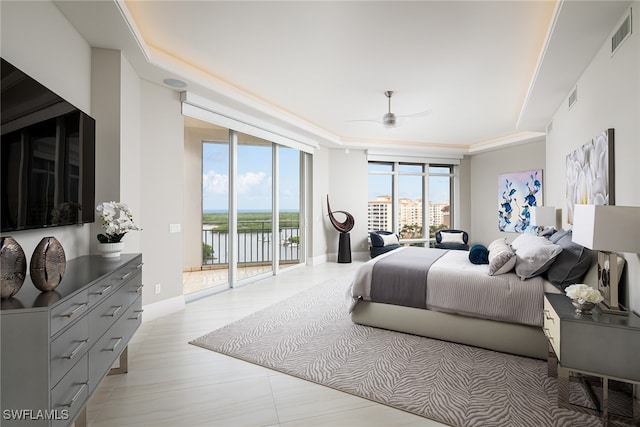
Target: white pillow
(534, 255)
(501, 258)
(525, 239)
(389, 239)
(451, 237)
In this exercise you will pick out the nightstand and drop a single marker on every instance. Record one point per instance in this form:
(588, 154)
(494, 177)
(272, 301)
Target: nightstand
(597, 346)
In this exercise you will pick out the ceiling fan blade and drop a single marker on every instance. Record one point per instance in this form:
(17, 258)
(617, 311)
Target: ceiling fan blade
(364, 120)
(419, 114)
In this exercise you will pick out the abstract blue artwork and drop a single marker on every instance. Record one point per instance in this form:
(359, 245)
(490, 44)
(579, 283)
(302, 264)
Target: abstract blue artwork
(517, 193)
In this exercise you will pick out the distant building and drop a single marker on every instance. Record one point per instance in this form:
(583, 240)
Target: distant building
(380, 213)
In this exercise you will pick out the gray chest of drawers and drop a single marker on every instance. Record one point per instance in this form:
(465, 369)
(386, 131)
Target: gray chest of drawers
(57, 346)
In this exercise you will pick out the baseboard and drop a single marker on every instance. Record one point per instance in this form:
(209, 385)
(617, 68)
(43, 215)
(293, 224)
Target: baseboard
(162, 308)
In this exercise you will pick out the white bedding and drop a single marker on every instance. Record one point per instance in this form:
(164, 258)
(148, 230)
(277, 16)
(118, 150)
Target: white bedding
(456, 285)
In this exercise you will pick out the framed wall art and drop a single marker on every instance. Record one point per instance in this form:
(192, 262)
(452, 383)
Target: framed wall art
(517, 193)
(590, 173)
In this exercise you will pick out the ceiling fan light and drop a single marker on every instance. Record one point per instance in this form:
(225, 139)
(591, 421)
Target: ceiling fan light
(389, 120)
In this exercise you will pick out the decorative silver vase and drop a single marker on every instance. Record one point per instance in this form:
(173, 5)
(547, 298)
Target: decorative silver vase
(13, 266)
(48, 264)
(584, 307)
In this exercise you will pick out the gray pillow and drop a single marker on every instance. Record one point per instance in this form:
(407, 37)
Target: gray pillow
(571, 265)
(534, 255)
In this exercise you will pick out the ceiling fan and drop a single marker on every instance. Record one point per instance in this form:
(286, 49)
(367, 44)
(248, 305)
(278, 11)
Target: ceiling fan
(392, 120)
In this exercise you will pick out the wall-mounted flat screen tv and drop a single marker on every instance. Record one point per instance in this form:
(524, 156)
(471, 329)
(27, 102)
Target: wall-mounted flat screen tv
(47, 163)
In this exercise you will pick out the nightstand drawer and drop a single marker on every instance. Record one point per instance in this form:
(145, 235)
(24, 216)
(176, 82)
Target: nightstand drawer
(551, 327)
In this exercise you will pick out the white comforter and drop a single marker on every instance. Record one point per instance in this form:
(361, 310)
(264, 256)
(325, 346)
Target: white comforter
(456, 285)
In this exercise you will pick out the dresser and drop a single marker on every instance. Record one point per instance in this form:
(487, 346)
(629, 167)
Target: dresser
(597, 345)
(57, 346)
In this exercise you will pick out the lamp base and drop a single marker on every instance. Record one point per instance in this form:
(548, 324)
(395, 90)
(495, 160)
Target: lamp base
(608, 282)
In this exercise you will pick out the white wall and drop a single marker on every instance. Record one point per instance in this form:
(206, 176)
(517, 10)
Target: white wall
(348, 191)
(608, 97)
(485, 168)
(162, 186)
(320, 189)
(37, 38)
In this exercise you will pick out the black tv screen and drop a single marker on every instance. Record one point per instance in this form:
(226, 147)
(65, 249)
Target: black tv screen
(47, 162)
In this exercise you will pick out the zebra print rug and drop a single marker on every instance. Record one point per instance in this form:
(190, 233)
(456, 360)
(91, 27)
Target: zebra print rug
(311, 336)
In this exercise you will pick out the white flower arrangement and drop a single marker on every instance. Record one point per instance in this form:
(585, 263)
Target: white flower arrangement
(583, 293)
(117, 220)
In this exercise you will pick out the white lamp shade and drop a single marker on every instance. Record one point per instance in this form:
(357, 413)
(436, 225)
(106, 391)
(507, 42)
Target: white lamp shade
(607, 228)
(543, 215)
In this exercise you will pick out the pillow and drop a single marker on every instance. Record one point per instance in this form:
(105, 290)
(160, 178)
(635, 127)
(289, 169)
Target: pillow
(448, 237)
(534, 255)
(389, 239)
(556, 237)
(571, 265)
(501, 258)
(479, 255)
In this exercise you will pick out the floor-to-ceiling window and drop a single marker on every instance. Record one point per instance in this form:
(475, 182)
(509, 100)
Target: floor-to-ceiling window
(406, 196)
(245, 180)
(290, 161)
(215, 215)
(254, 188)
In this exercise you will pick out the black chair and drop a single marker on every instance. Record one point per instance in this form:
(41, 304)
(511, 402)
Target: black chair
(378, 246)
(454, 239)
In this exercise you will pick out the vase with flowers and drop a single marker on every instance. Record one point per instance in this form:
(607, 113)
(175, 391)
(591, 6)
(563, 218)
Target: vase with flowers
(583, 297)
(117, 220)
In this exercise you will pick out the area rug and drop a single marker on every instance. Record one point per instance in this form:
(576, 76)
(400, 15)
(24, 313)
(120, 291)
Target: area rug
(311, 336)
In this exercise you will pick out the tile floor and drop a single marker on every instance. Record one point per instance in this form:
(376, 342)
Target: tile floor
(172, 383)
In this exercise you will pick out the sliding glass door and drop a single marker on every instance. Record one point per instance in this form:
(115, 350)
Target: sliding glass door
(253, 183)
(291, 236)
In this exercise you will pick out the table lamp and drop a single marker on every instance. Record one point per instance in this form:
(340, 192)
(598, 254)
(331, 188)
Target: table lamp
(608, 228)
(541, 216)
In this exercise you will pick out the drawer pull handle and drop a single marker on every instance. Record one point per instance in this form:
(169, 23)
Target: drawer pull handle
(126, 275)
(138, 289)
(547, 315)
(104, 290)
(118, 308)
(547, 334)
(119, 340)
(75, 310)
(76, 396)
(139, 266)
(138, 314)
(76, 350)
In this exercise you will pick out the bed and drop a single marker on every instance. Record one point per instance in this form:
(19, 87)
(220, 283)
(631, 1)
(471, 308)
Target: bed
(469, 303)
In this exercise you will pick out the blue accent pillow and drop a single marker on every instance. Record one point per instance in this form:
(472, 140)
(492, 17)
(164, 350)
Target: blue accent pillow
(479, 255)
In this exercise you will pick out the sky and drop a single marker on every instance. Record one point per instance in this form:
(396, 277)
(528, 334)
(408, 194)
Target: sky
(254, 177)
(410, 187)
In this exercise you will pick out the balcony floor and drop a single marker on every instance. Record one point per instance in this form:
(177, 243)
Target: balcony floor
(205, 278)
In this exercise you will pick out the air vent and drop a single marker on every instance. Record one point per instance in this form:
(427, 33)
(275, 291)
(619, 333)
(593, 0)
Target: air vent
(573, 98)
(623, 32)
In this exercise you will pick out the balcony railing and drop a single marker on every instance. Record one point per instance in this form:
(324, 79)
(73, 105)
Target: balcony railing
(254, 242)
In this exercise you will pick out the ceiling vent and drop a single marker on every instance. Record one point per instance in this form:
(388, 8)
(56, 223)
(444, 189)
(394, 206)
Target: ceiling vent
(573, 98)
(621, 34)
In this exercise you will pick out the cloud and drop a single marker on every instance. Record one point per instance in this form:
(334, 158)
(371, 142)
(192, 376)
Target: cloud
(249, 180)
(215, 183)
